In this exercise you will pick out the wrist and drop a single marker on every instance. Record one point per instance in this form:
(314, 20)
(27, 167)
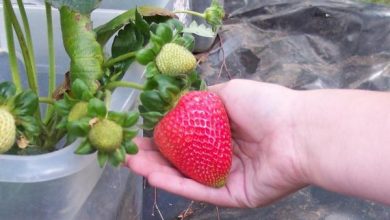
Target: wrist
(300, 114)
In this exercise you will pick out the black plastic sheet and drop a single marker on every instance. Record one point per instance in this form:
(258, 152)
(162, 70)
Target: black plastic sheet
(306, 44)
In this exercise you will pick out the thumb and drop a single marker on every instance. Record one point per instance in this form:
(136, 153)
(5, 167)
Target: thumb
(217, 88)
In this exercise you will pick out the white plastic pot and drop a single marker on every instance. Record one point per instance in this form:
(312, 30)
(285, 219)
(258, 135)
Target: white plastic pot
(54, 185)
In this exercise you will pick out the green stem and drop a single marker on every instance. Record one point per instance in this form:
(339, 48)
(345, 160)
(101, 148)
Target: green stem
(107, 99)
(52, 60)
(30, 67)
(110, 62)
(127, 84)
(27, 31)
(13, 61)
(46, 100)
(190, 12)
(52, 134)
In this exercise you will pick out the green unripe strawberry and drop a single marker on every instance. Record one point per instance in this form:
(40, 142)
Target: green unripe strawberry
(106, 135)
(174, 60)
(7, 130)
(78, 111)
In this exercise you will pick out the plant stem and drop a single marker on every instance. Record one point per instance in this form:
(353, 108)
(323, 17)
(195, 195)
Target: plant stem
(46, 100)
(27, 31)
(110, 62)
(190, 12)
(107, 99)
(127, 84)
(29, 64)
(52, 60)
(13, 61)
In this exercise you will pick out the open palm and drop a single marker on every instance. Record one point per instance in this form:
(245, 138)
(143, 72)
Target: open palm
(264, 164)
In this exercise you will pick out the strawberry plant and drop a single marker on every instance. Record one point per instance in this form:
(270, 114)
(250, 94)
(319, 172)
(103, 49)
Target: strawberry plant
(191, 126)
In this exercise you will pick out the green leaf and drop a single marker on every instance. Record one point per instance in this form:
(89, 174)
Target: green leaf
(128, 40)
(175, 25)
(102, 158)
(117, 157)
(130, 134)
(87, 95)
(142, 25)
(152, 101)
(196, 82)
(151, 70)
(79, 128)
(124, 119)
(78, 88)
(130, 147)
(150, 119)
(107, 30)
(153, 117)
(84, 6)
(201, 30)
(187, 41)
(145, 55)
(85, 53)
(70, 138)
(62, 124)
(117, 117)
(168, 86)
(85, 148)
(156, 40)
(26, 103)
(203, 86)
(165, 32)
(29, 125)
(62, 107)
(7, 90)
(97, 107)
(131, 118)
(154, 46)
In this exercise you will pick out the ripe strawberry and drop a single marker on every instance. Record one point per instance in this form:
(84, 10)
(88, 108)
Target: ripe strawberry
(174, 60)
(7, 130)
(195, 137)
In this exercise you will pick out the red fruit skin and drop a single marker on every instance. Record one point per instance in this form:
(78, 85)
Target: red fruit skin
(195, 137)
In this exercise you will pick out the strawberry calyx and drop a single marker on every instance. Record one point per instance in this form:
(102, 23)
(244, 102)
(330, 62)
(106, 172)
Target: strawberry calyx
(214, 14)
(74, 104)
(161, 94)
(109, 133)
(168, 49)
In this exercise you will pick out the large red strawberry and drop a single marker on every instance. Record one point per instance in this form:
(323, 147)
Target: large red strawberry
(195, 137)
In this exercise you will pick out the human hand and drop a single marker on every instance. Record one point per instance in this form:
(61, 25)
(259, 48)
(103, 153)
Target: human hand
(266, 164)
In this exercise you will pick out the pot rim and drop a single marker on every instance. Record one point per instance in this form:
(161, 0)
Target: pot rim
(44, 167)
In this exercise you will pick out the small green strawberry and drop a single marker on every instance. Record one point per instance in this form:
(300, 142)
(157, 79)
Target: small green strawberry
(110, 133)
(78, 111)
(174, 60)
(106, 135)
(214, 14)
(195, 137)
(7, 130)
(16, 117)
